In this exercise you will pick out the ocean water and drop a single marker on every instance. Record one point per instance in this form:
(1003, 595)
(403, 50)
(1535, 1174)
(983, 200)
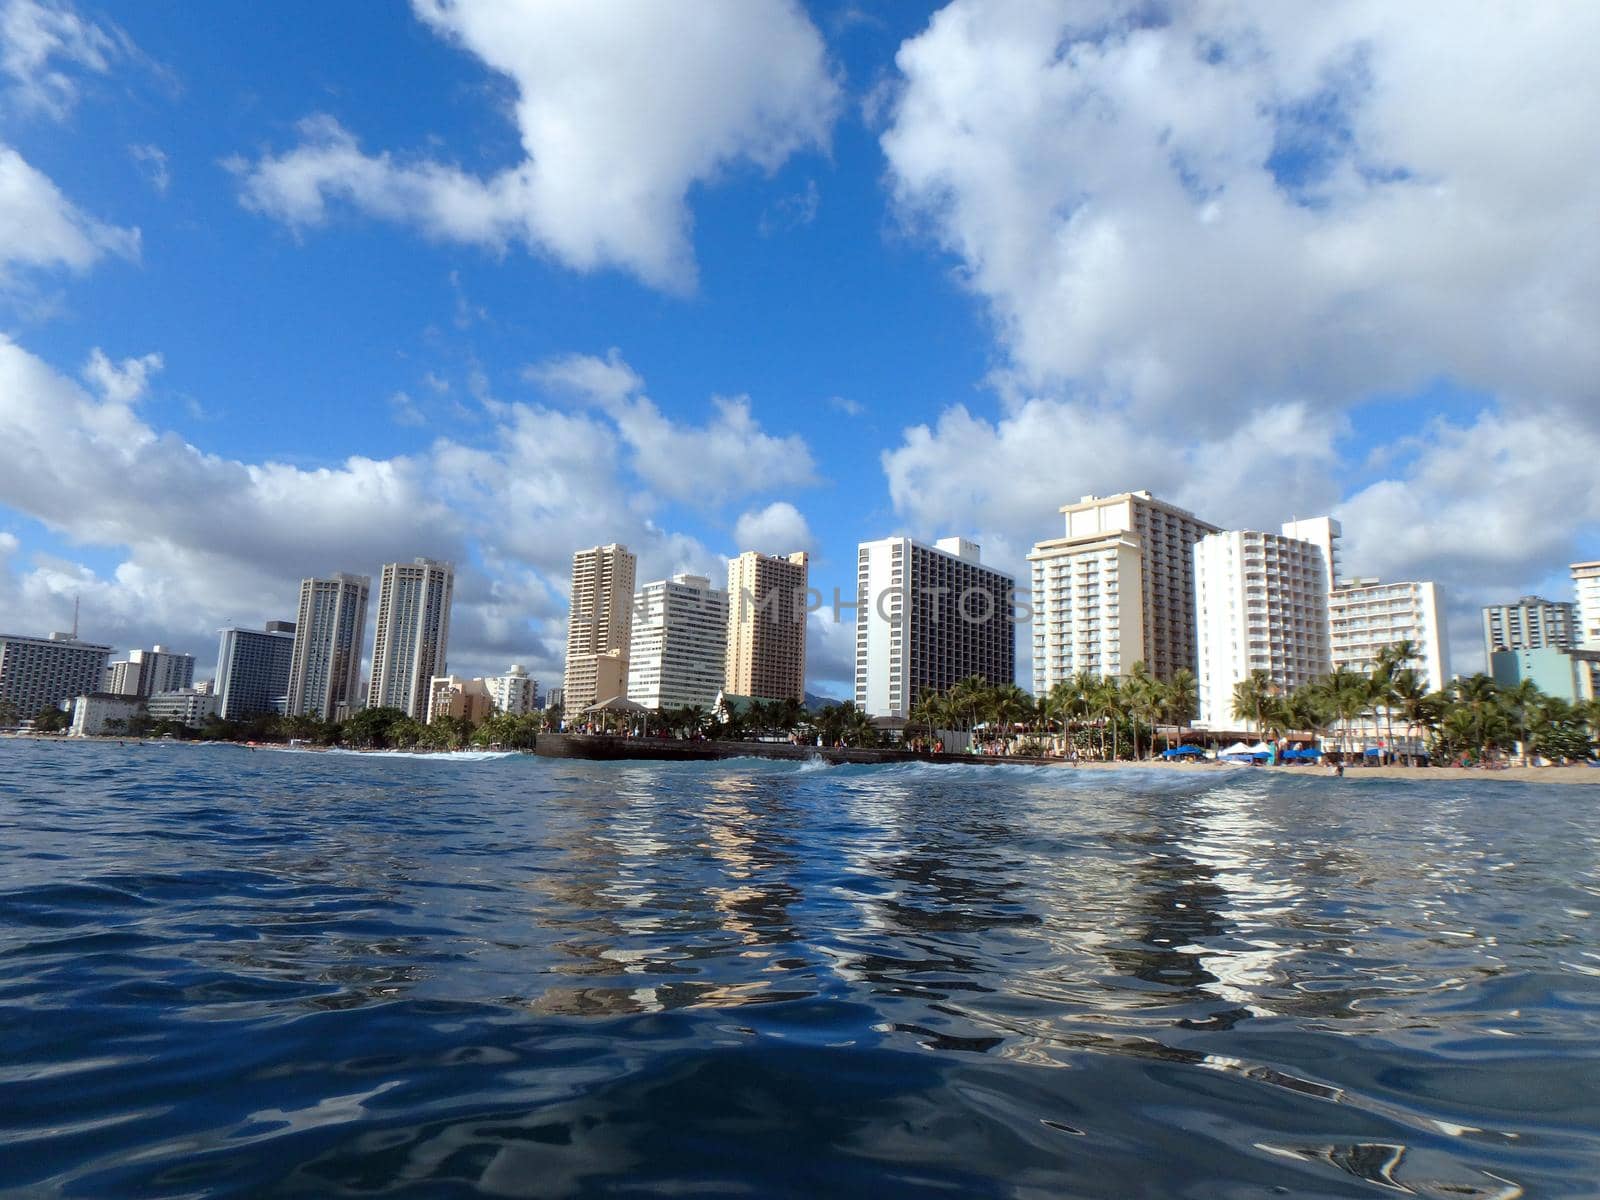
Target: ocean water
(226, 973)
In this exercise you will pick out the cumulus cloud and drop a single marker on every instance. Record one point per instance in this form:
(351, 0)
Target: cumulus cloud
(1216, 205)
(621, 109)
(1208, 234)
(41, 229)
(207, 540)
(779, 528)
(730, 455)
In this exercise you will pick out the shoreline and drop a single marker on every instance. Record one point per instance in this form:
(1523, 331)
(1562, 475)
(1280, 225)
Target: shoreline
(650, 750)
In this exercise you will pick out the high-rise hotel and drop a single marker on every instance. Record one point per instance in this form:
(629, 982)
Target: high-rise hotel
(36, 673)
(411, 642)
(678, 648)
(1586, 581)
(1116, 589)
(1262, 605)
(1367, 616)
(767, 597)
(253, 670)
(928, 617)
(325, 665)
(598, 626)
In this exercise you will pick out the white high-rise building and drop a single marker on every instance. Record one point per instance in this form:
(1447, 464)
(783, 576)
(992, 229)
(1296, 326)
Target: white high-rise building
(1117, 589)
(38, 673)
(411, 642)
(598, 626)
(253, 670)
(1586, 579)
(516, 692)
(163, 670)
(1261, 604)
(122, 678)
(928, 617)
(325, 666)
(678, 648)
(1366, 616)
(767, 597)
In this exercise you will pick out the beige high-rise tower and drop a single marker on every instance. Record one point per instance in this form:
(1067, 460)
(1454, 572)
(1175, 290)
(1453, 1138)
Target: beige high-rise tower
(767, 626)
(598, 626)
(412, 641)
(1116, 590)
(325, 664)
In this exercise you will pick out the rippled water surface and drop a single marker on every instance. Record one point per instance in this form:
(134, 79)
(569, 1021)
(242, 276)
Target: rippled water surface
(232, 973)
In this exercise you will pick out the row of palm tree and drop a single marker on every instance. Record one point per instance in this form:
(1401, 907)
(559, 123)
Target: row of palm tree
(1099, 714)
(1473, 717)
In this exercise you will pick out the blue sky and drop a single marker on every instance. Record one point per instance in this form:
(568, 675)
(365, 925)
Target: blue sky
(471, 279)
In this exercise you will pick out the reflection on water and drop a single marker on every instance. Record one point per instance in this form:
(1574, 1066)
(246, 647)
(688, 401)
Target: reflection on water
(301, 975)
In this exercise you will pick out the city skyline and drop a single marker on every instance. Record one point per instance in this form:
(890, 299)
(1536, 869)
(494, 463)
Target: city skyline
(809, 317)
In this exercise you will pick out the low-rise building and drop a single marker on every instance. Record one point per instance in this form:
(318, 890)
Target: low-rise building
(453, 696)
(98, 713)
(187, 706)
(1570, 675)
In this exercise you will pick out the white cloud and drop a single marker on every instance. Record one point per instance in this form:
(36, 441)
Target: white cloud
(206, 540)
(707, 466)
(121, 383)
(1206, 232)
(779, 528)
(41, 229)
(152, 161)
(39, 40)
(1211, 206)
(621, 108)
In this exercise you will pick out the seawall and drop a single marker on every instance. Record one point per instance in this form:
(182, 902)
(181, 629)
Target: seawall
(607, 747)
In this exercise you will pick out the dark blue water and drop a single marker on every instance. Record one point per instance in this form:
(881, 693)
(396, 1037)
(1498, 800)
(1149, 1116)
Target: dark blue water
(236, 974)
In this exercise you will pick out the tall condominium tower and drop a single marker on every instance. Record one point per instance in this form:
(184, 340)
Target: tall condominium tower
(325, 665)
(1117, 589)
(1532, 623)
(253, 670)
(1366, 617)
(1586, 579)
(412, 639)
(927, 617)
(598, 626)
(678, 648)
(1261, 602)
(767, 626)
(36, 673)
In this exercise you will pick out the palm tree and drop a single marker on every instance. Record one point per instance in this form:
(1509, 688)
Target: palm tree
(968, 698)
(1142, 694)
(1252, 699)
(1182, 698)
(1349, 697)
(1522, 706)
(1108, 702)
(1479, 697)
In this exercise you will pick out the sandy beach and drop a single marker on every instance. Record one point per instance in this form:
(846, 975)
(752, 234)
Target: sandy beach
(1568, 774)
